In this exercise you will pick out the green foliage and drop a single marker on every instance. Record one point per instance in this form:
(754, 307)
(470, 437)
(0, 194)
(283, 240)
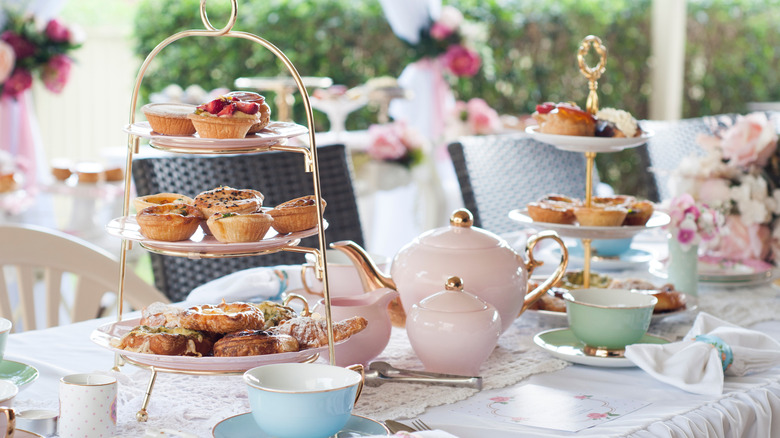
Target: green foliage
(730, 59)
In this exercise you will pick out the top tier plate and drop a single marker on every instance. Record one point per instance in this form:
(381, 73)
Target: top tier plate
(576, 143)
(274, 133)
(657, 220)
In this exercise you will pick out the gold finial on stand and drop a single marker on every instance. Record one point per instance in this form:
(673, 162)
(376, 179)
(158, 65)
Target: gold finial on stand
(592, 105)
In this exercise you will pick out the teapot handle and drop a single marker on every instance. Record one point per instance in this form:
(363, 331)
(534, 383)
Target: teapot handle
(532, 264)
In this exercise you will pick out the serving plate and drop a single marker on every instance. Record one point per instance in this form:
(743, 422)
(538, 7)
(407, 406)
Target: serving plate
(575, 143)
(274, 133)
(107, 334)
(721, 272)
(200, 243)
(562, 344)
(658, 219)
(244, 426)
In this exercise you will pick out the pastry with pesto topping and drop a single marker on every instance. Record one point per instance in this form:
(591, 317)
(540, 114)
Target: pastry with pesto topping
(169, 222)
(234, 228)
(166, 341)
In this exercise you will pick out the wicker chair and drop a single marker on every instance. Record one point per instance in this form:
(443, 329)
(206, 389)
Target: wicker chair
(280, 176)
(501, 173)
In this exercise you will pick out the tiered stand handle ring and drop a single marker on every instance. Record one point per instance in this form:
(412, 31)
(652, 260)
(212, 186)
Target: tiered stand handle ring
(310, 164)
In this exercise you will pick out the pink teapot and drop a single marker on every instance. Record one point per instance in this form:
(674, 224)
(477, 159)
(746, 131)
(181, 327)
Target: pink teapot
(486, 262)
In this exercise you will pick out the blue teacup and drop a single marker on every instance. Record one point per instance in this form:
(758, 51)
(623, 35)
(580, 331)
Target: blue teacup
(303, 400)
(610, 247)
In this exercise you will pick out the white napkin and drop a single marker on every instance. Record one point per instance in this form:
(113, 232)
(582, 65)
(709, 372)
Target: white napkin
(263, 283)
(696, 365)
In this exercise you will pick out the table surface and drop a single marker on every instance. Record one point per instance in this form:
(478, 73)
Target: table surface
(182, 402)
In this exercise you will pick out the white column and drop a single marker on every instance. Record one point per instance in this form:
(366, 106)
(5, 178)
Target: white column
(668, 59)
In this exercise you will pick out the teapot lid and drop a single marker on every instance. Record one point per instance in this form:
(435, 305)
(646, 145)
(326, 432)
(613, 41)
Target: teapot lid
(461, 234)
(454, 299)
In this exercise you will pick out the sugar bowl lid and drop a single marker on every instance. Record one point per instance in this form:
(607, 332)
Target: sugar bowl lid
(454, 299)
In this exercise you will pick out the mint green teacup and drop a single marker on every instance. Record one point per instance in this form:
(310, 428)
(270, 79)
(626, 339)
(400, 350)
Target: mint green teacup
(606, 320)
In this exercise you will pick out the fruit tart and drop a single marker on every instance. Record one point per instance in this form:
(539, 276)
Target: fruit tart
(225, 117)
(295, 215)
(564, 119)
(265, 110)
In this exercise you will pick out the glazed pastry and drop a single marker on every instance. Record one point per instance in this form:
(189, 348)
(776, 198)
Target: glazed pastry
(142, 202)
(295, 215)
(165, 341)
(232, 227)
(600, 216)
(170, 118)
(223, 318)
(274, 313)
(265, 110)
(557, 209)
(616, 123)
(639, 213)
(669, 299)
(613, 201)
(254, 343)
(160, 314)
(225, 117)
(564, 119)
(169, 222)
(313, 333)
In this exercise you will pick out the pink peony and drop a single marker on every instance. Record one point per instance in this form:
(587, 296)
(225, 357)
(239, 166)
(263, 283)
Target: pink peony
(22, 47)
(741, 242)
(7, 61)
(57, 32)
(750, 141)
(461, 61)
(385, 143)
(56, 72)
(482, 119)
(20, 81)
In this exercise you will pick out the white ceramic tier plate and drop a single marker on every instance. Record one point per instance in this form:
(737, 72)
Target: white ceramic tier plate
(244, 426)
(562, 344)
(576, 143)
(128, 228)
(272, 134)
(20, 374)
(107, 333)
(658, 219)
(724, 273)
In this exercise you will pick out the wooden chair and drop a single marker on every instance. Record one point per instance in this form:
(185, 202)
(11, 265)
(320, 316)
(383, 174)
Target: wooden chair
(279, 176)
(500, 173)
(72, 274)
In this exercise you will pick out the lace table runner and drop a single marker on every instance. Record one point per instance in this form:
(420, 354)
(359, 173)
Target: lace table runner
(194, 404)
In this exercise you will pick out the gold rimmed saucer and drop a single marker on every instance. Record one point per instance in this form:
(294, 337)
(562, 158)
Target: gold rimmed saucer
(562, 344)
(603, 352)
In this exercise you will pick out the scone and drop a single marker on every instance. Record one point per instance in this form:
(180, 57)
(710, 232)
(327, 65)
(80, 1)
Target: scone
(232, 228)
(265, 110)
(295, 215)
(142, 202)
(600, 216)
(225, 117)
(170, 118)
(564, 119)
(169, 222)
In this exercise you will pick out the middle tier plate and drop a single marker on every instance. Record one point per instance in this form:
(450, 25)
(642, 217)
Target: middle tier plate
(658, 219)
(200, 243)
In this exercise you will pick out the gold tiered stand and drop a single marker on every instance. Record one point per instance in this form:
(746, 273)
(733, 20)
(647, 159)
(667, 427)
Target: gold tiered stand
(310, 164)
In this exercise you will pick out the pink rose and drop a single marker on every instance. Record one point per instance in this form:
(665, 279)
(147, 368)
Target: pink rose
(714, 190)
(57, 32)
(750, 141)
(385, 143)
(482, 119)
(462, 61)
(741, 242)
(20, 81)
(678, 208)
(440, 31)
(22, 47)
(56, 72)
(7, 61)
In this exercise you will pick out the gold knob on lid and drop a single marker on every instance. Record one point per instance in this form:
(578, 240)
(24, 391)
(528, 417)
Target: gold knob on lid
(462, 218)
(454, 283)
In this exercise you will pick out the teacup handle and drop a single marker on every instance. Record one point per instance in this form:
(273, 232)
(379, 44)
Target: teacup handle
(290, 297)
(532, 264)
(359, 368)
(305, 285)
(10, 415)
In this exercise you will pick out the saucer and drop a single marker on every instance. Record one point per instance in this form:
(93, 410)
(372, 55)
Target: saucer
(562, 344)
(18, 373)
(244, 426)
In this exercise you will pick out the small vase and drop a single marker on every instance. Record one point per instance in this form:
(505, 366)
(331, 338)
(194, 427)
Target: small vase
(683, 267)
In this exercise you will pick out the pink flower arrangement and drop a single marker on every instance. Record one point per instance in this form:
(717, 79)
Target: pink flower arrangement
(395, 142)
(461, 61)
(692, 222)
(477, 117)
(35, 50)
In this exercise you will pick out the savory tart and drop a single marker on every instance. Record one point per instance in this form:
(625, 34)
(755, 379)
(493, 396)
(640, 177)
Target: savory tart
(170, 118)
(169, 222)
(233, 228)
(295, 215)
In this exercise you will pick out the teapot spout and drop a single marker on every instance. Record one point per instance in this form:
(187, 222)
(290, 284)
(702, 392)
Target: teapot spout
(371, 277)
